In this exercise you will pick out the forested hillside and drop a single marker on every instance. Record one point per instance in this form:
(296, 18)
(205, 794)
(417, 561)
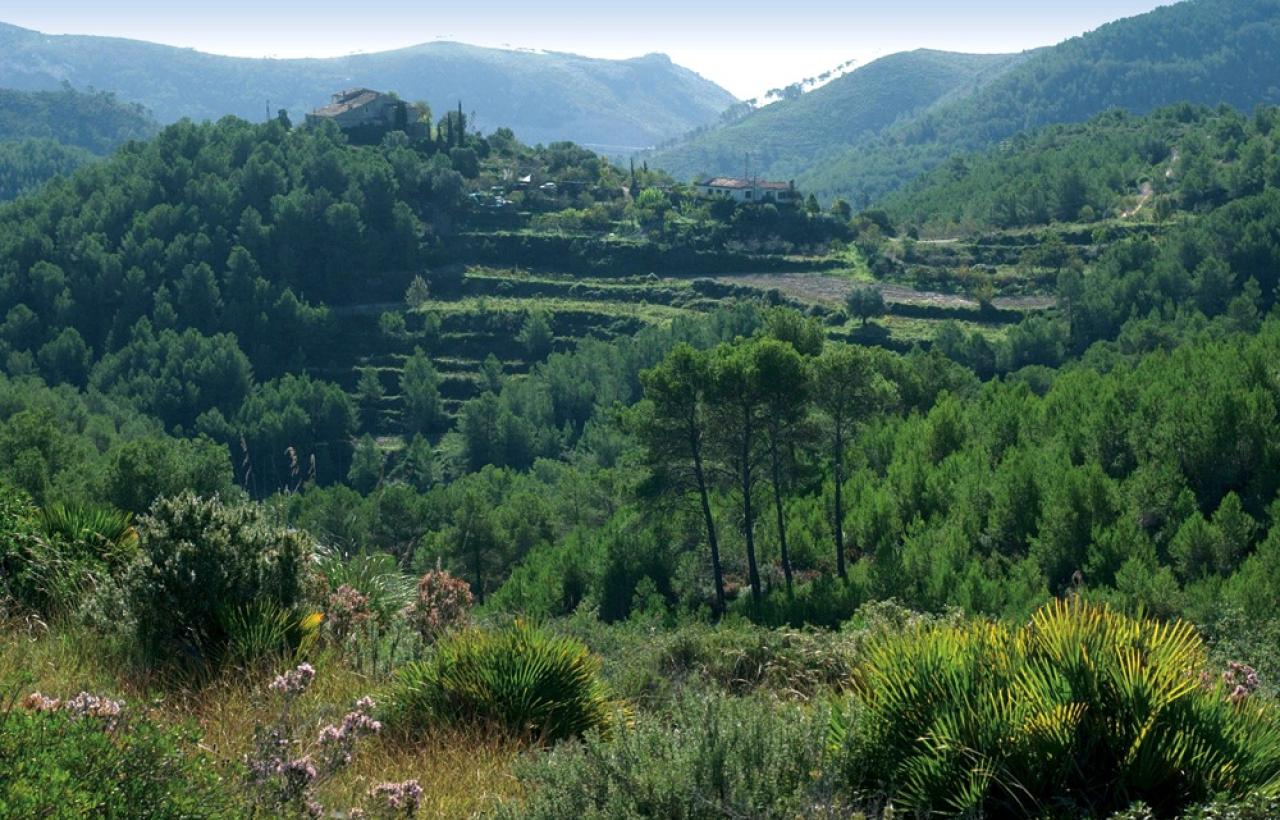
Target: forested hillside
(1177, 159)
(204, 275)
(46, 133)
(94, 121)
(545, 97)
(785, 138)
(442, 475)
(1200, 51)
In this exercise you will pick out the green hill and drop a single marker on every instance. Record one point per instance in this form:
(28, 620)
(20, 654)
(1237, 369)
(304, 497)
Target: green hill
(46, 133)
(789, 136)
(1116, 165)
(1200, 51)
(96, 122)
(545, 97)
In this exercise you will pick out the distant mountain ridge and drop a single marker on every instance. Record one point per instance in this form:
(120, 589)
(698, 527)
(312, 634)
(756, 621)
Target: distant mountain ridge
(545, 97)
(784, 139)
(1200, 51)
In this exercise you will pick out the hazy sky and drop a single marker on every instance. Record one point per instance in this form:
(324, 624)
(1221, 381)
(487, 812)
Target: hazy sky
(747, 46)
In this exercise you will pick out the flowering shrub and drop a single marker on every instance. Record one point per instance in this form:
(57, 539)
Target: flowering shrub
(284, 769)
(346, 610)
(398, 799)
(204, 561)
(442, 603)
(295, 681)
(83, 705)
(1240, 680)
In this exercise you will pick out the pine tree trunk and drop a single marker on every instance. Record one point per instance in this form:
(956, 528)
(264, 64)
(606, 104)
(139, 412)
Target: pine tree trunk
(748, 512)
(716, 569)
(777, 502)
(839, 511)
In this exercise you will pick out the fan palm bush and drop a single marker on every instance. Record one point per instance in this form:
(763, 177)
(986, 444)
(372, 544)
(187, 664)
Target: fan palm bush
(376, 576)
(1082, 711)
(92, 530)
(516, 679)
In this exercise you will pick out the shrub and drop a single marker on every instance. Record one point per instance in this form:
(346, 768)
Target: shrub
(376, 576)
(717, 757)
(1081, 711)
(516, 679)
(346, 610)
(206, 569)
(20, 548)
(442, 604)
(73, 759)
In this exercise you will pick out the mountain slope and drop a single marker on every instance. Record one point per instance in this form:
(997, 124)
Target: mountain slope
(1182, 157)
(544, 97)
(1200, 51)
(786, 137)
(47, 133)
(95, 122)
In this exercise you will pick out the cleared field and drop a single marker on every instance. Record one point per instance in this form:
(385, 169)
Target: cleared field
(828, 289)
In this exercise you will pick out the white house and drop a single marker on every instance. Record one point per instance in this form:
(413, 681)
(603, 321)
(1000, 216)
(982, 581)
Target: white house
(748, 190)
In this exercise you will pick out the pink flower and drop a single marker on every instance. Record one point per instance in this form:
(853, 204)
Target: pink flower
(295, 681)
(83, 705)
(347, 609)
(1241, 679)
(299, 772)
(400, 797)
(442, 603)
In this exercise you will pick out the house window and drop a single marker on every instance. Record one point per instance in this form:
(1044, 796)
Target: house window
(749, 194)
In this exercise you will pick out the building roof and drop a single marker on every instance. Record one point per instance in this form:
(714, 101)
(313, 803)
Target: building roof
(739, 183)
(347, 101)
(726, 182)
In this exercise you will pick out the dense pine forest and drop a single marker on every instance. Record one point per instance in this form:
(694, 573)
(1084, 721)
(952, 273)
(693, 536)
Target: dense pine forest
(431, 473)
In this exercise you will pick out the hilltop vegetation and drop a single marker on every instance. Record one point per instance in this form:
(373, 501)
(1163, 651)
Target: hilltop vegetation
(1200, 51)
(97, 122)
(545, 97)
(201, 276)
(50, 133)
(1177, 159)
(787, 137)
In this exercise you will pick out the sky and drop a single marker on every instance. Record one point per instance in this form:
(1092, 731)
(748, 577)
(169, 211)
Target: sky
(747, 46)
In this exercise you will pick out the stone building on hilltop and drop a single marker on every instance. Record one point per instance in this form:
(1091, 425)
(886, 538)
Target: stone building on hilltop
(749, 190)
(365, 115)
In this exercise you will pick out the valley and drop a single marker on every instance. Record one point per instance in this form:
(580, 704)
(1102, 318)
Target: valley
(387, 459)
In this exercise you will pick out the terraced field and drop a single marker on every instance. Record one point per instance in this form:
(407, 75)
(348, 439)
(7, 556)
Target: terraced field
(927, 282)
